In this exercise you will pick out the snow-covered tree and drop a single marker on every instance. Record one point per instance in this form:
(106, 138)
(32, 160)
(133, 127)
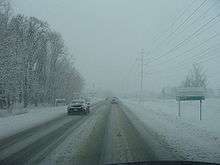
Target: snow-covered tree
(34, 64)
(196, 77)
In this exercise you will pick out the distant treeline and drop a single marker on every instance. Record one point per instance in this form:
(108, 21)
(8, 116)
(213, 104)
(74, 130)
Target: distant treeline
(35, 66)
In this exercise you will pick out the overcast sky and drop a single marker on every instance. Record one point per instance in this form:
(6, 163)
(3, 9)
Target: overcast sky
(106, 37)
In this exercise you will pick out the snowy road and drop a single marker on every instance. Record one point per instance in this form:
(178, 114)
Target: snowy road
(33, 144)
(109, 134)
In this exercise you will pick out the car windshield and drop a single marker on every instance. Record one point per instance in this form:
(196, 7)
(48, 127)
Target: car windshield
(92, 82)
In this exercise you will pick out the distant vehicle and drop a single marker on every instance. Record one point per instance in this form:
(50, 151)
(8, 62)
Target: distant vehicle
(114, 100)
(60, 102)
(78, 107)
(108, 98)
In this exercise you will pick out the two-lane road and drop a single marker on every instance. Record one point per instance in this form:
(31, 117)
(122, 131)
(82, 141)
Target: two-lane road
(109, 134)
(40, 140)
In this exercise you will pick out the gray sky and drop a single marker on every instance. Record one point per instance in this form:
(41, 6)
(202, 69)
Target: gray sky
(106, 36)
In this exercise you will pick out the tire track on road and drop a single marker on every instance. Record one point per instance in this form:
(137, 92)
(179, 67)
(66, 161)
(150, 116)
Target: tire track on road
(124, 143)
(36, 142)
(84, 145)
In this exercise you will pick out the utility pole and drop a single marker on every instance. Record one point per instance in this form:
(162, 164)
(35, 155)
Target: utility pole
(142, 74)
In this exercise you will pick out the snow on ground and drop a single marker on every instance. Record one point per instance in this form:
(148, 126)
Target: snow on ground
(194, 139)
(35, 116)
(18, 109)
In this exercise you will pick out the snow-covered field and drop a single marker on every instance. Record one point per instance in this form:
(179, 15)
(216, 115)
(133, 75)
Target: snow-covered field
(35, 116)
(194, 139)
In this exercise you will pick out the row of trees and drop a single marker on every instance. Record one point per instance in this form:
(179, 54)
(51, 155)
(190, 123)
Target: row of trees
(35, 66)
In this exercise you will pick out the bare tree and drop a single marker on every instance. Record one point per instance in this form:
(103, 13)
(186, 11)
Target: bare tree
(35, 66)
(196, 77)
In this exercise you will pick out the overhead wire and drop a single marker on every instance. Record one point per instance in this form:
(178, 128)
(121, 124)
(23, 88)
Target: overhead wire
(188, 18)
(170, 28)
(188, 50)
(182, 65)
(188, 38)
(197, 19)
(195, 34)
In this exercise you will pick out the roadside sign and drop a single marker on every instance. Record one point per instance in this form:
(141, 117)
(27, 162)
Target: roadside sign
(190, 94)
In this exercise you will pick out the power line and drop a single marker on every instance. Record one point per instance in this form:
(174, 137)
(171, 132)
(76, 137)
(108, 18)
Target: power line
(191, 49)
(189, 17)
(189, 37)
(174, 22)
(182, 66)
(203, 14)
(141, 59)
(182, 14)
(194, 34)
(203, 54)
(198, 56)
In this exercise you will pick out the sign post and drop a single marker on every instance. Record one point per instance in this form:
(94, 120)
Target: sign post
(200, 110)
(189, 94)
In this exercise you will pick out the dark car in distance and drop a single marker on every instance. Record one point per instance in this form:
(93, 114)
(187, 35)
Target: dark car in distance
(114, 100)
(78, 107)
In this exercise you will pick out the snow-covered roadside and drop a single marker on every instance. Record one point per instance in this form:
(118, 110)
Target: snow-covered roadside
(196, 140)
(18, 109)
(36, 116)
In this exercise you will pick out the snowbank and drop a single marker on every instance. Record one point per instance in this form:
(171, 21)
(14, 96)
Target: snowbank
(36, 116)
(194, 139)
